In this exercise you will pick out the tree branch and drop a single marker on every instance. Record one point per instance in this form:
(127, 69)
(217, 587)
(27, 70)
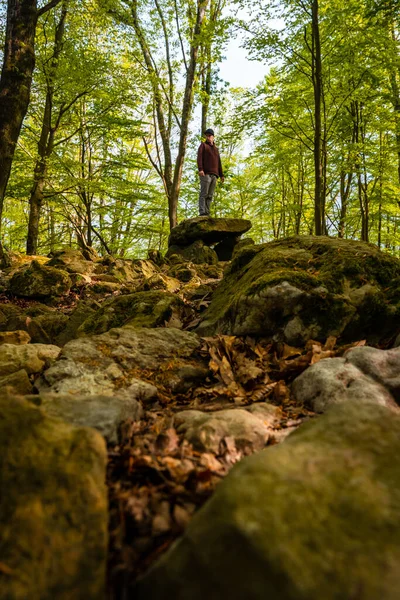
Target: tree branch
(47, 7)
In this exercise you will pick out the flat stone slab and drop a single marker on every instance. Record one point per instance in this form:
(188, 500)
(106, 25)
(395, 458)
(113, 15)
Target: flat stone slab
(210, 231)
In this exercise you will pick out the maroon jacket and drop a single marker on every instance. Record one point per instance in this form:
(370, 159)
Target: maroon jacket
(208, 159)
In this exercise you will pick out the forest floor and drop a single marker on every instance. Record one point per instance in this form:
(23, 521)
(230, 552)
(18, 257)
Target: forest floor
(157, 481)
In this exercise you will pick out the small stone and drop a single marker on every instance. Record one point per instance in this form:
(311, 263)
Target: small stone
(14, 337)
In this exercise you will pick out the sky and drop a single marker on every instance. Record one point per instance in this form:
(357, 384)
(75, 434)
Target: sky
(238, 70)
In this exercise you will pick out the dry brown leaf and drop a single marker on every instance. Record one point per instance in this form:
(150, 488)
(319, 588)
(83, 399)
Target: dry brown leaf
(5, 569)
(281, 392)
(247, 369)
(289, 351)
(330, 343)
(226, 371)
(167, 441)
(162, 520)
(321, 355)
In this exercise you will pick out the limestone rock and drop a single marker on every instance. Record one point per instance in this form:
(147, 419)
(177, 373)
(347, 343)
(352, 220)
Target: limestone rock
(40, 281)
(31, 357)
(53, 507)
(209, 230)
(307, 287)
(383, 366)
(335, 380)
(315, 517)
(250, 429)
(197, 253)
(142, 309)
(100, 365)
(17, 383)
(72, 261)
(104, 413)
(159, 281)
(14, 337)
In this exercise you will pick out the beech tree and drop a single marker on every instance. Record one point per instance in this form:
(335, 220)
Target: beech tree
(16, 78)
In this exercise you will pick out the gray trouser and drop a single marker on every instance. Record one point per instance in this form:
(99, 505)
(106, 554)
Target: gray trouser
(207, 189)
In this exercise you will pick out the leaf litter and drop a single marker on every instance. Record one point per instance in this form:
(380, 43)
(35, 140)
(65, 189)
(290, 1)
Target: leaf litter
(157, 480)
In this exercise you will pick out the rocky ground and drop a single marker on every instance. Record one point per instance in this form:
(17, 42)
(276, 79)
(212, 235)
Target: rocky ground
(174, 369)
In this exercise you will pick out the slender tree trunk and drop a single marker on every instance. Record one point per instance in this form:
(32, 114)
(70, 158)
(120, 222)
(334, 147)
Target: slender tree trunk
(186, 113)
(317, 87)
(46, 142)
(206, 89)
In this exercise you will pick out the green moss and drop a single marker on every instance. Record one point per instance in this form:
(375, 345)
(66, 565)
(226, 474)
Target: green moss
(142, 309)
(301, 279)
(307, 263)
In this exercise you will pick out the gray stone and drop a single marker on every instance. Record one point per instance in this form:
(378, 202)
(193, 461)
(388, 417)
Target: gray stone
(250, 428)
(31, 357)
(98, 365)
(17, 383)
(104, 413)
(72, 261)
(197, 253)
(316, 517)
(335, 380)
(53, 507)
(209, 230)
(382, 365)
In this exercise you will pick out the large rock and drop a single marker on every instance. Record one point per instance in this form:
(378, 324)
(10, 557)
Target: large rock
(104, 413)
(316, 517)
(335, 380)
(209, 230)
(197, 253)
(383, 366)
(72, 261)
(33, 358)
(40, 281)
(111, 362)
(142, 309)
(305, 288)
(53, 507)
(364, 374)
(250, 428)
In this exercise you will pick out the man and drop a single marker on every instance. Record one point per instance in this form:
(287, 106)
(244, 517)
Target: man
(210, 168)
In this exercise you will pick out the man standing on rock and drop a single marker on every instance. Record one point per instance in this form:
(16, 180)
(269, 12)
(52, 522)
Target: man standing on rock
(210, 168)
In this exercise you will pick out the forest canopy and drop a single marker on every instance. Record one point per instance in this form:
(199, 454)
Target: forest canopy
(102, 112)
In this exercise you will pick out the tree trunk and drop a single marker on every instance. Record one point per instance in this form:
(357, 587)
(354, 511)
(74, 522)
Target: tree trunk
(46, 142)
(15, 83)
(317, 87)
(186, 113)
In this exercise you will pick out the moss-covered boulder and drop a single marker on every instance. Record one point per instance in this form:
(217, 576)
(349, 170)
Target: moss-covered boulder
(209, 230)
(109, 364)
(72, 261)
(307, 287)
(53, 507)
(143, 309)
(197, 253)
(130, 271)
(314, 518)
(40, 281)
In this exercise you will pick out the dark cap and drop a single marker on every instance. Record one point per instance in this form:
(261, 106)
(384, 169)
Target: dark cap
(210, 131)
